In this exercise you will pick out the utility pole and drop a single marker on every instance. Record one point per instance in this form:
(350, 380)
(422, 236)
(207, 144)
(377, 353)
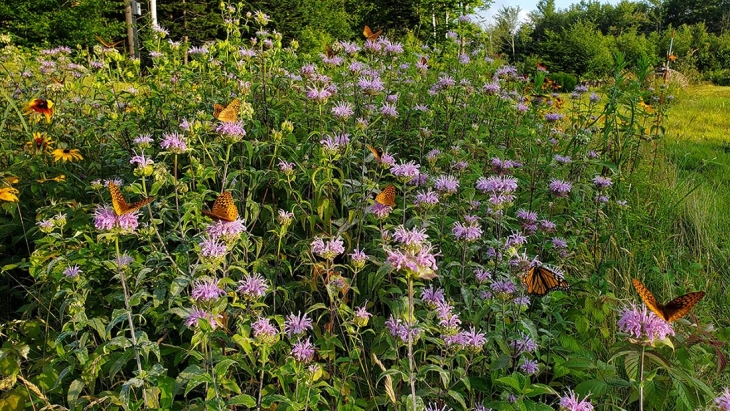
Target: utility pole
(153, 12)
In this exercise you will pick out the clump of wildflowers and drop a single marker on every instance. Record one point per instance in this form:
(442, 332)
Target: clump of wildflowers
(643, 324)
(572, 402)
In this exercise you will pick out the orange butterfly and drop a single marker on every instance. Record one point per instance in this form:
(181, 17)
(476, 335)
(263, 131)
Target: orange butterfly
(108, 45)
(387, 196)
(228, 114)
(540, 280)
(376, 153)
(223, 209)
(329, 52)
(673, 310)
(120, 206)
(370, 35)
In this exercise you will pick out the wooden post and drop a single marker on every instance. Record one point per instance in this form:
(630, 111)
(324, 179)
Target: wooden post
(130, 27)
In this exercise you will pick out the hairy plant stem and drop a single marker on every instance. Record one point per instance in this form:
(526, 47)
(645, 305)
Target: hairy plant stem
(127, 308)
(411, 361)
(641, 379)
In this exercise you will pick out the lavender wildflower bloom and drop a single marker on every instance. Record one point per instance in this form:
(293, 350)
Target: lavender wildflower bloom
(496, 184)
(72, 271)
(263, 331)
(174, 142)
(285, 218)
(389, 111)
(572, 402)
(468, 233)
(492, 88)
(229, 231)
(380, 211)
(560, 188)
(433, 155)
(358, 258)
(723, 401)
(399, 329)
(286, 168)
(412, 238)
(46, 226)
(361, 316)
(524, 344)
(529, 367)
(446, 184)
(123, 260)
(503, 287)
(426, 199)
(602, 199)
(561, 159)
(330, 250)
(303, 351)
(198, 50)
(296, 325)
(406, 171)
(464, 59)
(106, 219)
(547, 226)
(460, 166)
(552, 117)
(522, 301)
(233, 132)
(319, 96)
(141, 161)
(200, 314)
(207, 290)
(419, 263)
(342, 110)
(435, 407)
(144, 140)
(432, 296)
(594, 98)
(643, 324)
(602, 182)
(252, 287)
(475, 340)
(482, 275)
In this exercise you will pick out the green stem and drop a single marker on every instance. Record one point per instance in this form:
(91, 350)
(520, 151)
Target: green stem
(411, 362)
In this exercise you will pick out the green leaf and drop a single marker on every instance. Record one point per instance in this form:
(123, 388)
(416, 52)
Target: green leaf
(243, 399)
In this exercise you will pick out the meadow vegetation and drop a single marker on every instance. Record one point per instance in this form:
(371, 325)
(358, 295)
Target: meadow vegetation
(382, 224)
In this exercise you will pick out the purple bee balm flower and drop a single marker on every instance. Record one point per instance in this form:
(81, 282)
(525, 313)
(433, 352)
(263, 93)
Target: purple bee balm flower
(342, 110)
(522, 107)
(496, 184)
(447, 319)
(426, 200)
(212, 249)
(380, 211)
(303, 351)
(436, 407)
(594, 98)
(399, 329)
(433, 155)
(468, 233)
(197, 314)
(72, 271)
(361, 316)
(388, 111)
(723, 401)
(602, 182)
(286, 168)
(231, 130)
(329, 250)
(482, 275)
(503, 287)
(530, 367)
(524, 344)
(173, 142)
(264, 331)
(560, 188)
(552, 117)
(105, 219)
(123, 260)
(46, 225)
(446, 184)
(572, 402)
(229, 231)
(252, 286)
(561, 159)
(296, 325)
(207, 289)
(643, 324)
(412, 237)
(547, 226)
(417, 263)
(141, 161)
(432, 296)
(405, 171)
(491, 88)
(144, 140)
(475, 340)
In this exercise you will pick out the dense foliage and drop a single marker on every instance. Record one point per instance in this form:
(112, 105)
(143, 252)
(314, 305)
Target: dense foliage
(391, 205)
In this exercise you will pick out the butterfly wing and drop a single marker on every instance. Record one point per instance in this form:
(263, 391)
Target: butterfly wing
(376, 153)
(650, 300)
(368, 33)
(228, 114)
(120, 206)
(387, 196)
(223, 209)
(680, 306)
(540, 280)
(329, 52)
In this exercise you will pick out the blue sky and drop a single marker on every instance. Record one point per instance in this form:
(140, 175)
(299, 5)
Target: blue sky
(526, 6)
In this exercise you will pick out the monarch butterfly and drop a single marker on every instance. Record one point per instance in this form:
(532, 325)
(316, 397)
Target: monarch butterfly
(329, 52)
(378, 154)
(541, 67)
(120, 206)
(540, 280)
(671, 311)
(370, 35)
(108, 45)
(223, 208)
(228, 114)
(387, 196)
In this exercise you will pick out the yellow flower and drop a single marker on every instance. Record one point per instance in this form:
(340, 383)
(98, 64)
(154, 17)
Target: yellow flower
(41, 106)
(12, 179)
(39, 143)
(67, 154)
(646, 107)
(8, 194)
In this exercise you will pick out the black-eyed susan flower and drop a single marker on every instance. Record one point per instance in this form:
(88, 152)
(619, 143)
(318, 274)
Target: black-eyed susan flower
(8, 194)
(40, 143)
(67, 154)
(41, 106)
